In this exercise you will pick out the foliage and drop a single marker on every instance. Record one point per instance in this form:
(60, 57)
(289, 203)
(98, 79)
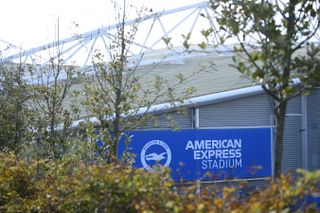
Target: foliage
(32, 108)
(37, 108)
(275, 49)
(76, 147)
(69, 185)
(13, 106)
(50, 87)
(120, 97)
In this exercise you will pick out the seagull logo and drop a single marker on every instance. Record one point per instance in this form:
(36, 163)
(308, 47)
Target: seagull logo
(155, 151)
(156, 157)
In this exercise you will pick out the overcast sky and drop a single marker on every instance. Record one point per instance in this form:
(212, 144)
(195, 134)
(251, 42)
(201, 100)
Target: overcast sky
(30, 23)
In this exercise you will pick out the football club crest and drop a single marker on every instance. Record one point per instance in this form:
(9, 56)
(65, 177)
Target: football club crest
(155, 152)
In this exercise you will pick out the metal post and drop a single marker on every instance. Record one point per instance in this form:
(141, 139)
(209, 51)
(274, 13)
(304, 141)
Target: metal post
(197, 126)
(197, 118)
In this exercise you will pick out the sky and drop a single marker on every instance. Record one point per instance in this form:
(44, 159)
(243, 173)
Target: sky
(31, 23)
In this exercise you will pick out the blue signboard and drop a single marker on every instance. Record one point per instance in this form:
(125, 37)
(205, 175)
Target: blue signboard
(205, 154)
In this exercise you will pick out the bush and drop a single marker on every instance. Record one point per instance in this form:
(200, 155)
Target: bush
(18, 182)
(69, 185)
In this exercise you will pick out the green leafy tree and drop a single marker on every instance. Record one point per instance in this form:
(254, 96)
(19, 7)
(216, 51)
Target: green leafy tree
(50, 88)
(120, 89)
(13, 106)
(275, 49)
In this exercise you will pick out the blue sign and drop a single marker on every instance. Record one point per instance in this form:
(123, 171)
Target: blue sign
(205, 154)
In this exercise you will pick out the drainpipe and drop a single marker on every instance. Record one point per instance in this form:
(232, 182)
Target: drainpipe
(196, 118)
(196, 122)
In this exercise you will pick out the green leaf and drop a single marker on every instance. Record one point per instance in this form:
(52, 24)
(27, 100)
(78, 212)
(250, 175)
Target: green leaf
(203, 45)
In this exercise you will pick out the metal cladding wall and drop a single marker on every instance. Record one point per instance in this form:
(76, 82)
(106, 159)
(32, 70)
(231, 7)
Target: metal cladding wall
(172, 120)
(313, 131)
(292, 144)
(250, 111)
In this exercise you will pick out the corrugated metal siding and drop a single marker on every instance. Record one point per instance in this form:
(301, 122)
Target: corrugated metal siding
(249, 111)
(294, 106)
(313, 124)
(171, 120)
(292, 144)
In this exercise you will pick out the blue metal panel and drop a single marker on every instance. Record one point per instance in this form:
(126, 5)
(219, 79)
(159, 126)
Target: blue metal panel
(205, 154)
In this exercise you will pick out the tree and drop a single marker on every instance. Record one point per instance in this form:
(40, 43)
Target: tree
(50, 87)
(14, 114)
(118, 93)
(275, 49)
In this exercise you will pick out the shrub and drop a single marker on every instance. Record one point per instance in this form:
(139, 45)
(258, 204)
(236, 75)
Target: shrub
(18, 182)
(70, 185)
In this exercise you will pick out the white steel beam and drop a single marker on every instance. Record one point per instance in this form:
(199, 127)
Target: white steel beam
(91, 37)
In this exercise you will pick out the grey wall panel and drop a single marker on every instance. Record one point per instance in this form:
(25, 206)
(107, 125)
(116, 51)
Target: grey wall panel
(249, 111)
(294, 106)
(292, 144)
(171, 120)
(313, 131)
